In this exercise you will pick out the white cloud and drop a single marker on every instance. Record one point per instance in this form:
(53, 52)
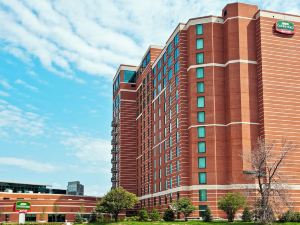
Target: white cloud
(5, 84)
(26, 85)
(4, 94)
(27, 164)
(96, 190)
(87, 148)
(95, 36)
(14, 120)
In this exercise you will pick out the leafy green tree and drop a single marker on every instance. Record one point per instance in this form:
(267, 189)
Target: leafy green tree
(231, 203)
(247, 215)
(78, 218)
(184, 206)
(169, 215)
(115, 201)
(207, 217)
(154, 215)
(143, 215)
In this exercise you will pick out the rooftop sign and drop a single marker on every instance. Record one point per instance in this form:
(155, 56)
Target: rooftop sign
(284, 27)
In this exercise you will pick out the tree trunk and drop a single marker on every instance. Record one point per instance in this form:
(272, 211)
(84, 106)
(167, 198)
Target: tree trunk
(116, 217)
(230, 217)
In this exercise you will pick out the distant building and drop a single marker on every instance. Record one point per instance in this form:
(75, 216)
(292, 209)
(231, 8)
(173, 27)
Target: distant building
(75, 188)
(15, 187)
(46, 207)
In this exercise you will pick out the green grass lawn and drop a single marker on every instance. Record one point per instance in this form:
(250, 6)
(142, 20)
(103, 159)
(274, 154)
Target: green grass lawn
(185, 223)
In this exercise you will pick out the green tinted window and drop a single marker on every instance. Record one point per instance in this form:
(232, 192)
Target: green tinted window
(202, 209)
(199, 43)
(201, 162)
(200, 87)
(199, 58)
(200, 72)
(201, 132)
(201, 117)
(200, 102)
(201, 147)
(202, 178)
(202, 195)
(199, 29)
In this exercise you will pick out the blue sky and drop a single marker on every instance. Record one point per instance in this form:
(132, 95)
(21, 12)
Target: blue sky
(57, 61)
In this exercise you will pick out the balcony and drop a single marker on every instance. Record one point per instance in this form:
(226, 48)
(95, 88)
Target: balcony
(114, 142)
(114, 160)
(114, 150)
(114, 133)
(114, 179)
(114, 170)
(114, 123)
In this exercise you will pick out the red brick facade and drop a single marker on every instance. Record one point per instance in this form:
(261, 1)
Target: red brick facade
(249, 88)
(44, 205)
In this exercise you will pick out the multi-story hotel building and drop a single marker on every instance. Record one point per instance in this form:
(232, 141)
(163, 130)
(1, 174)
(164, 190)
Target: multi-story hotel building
(184, 118)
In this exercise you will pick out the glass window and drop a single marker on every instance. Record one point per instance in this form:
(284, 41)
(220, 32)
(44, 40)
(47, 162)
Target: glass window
(177, 165)
(176, 67)
(200, 102)
(199, 58)
(202, 178)
(165, 82)
(176, 39)
(199, 43)
(201, 117)
(159, 64)
(202, 195)
(200, 87)
(170, 61)
(199, 29)
(165, 70)
(170, 73)
(154, 82)
(129, 76)
(159, 76)
(154, 70)
(201, 162)
(176, 80)
(202, 209)
(177, 151)
(170, 47)
(200, 72)
(165, 57)
(201, 147)
(178, 180)
(176, 53)
(201, 132)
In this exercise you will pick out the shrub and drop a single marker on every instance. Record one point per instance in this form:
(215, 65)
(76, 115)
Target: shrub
(231, 203)
(143, 215)
(132, 218)
(207, 217)
(290, 216)
(78, 218)
(154, 215)
(184, 206)
(169, 215)
(247, 215)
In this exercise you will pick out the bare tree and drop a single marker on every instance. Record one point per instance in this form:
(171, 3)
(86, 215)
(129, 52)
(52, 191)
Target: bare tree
(266, 160)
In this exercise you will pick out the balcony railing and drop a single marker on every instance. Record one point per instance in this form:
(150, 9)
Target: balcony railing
(114, 133)
(114, 170)
(114, 141)
(114, 160)
(114, 123)
(114, 150)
